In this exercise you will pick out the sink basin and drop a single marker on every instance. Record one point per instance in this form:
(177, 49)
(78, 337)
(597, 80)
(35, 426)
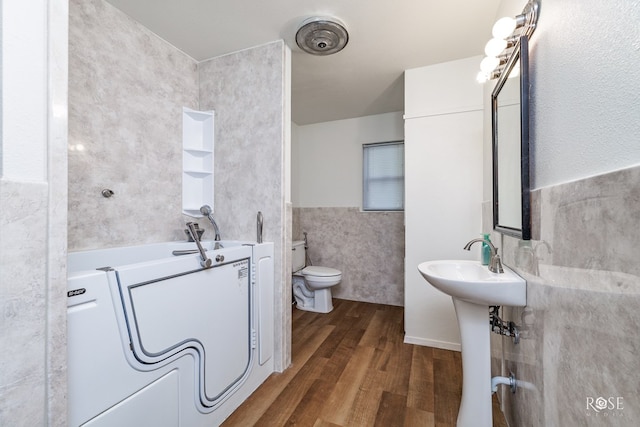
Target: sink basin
(473, 282)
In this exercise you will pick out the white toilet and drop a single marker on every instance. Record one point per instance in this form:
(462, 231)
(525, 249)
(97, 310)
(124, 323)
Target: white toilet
(312, 285)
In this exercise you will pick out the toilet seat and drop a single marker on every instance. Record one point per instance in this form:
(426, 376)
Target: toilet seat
(318, 271)
(321, 277)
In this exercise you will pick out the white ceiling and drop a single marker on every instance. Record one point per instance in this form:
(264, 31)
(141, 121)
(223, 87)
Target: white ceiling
(385, 38)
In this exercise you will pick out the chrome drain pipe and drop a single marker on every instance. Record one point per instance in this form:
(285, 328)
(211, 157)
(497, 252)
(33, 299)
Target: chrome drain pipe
(510, 381)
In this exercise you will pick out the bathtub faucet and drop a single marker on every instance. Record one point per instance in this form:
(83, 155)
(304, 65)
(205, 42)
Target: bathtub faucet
(206, 211)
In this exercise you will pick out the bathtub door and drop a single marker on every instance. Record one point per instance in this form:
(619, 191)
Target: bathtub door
(182, 309)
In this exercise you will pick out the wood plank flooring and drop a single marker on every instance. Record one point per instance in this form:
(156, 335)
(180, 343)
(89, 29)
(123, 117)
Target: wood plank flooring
(351, 368)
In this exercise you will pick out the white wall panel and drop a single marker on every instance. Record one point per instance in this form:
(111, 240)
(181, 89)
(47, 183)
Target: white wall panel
(443, 193)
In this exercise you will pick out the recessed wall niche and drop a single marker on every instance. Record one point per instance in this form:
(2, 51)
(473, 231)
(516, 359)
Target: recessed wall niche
(197, 160)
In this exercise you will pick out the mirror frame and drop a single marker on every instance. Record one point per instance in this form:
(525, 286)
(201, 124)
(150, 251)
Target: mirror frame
(521, 52)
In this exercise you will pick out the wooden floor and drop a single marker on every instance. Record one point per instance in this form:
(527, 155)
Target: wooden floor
(351, 368)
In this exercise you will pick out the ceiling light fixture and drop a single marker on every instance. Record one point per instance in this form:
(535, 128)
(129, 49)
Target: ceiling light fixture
(506, 31)
(322, 36)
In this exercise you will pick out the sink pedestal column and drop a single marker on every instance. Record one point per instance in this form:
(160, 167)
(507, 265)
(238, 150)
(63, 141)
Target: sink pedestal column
(475, 407)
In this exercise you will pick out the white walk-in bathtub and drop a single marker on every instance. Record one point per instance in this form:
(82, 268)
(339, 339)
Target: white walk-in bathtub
(156, 340)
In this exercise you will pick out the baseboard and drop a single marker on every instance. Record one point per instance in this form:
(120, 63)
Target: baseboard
(432, 343)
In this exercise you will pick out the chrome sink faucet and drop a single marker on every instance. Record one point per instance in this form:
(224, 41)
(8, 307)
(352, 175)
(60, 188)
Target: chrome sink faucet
(495, 264)
(206, 211)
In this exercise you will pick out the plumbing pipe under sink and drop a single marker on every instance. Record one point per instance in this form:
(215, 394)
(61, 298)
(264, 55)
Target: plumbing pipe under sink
(510, 381)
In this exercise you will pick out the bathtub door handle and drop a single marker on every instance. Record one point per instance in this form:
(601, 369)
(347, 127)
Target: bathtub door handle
(206, 261)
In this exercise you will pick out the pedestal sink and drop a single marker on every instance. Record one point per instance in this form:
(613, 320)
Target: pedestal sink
(473, 289)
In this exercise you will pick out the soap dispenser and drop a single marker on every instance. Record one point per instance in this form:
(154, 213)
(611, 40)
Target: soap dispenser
(486, 250)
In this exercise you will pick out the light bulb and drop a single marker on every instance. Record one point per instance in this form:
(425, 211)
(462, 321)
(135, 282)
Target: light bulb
(482, 77)
(489, 64)
(494, 47)
(503, 27)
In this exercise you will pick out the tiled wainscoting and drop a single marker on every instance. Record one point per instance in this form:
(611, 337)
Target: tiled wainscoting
(579, 331)
(368, 247)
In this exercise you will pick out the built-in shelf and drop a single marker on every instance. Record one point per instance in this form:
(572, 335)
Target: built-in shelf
(197, 160)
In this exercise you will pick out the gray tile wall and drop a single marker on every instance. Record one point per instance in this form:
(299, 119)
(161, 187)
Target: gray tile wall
(24, 305)
(367, 247)
(127, 88)
(580, 336)
(246, 91)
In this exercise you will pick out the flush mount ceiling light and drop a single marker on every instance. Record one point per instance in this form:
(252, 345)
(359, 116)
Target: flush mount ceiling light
(322, 36)
(506, 32)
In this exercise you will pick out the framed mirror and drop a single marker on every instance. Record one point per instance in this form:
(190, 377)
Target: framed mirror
(510, 120)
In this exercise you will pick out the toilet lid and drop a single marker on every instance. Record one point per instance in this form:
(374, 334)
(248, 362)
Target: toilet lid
(314, 270)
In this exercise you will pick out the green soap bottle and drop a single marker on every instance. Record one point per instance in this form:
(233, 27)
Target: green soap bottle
(486, 250)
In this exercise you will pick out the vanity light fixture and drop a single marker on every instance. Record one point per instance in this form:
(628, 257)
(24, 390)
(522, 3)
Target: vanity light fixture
(489, 63)
(492, 63)
(495, 47)
(504, 27)
(506, 31)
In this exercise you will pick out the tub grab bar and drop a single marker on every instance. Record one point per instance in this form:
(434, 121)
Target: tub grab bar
(185, 252)
(259, 221)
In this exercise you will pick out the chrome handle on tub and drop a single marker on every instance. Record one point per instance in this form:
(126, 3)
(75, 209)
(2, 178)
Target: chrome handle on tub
(259, 227)
(184, 252)
(206, 261)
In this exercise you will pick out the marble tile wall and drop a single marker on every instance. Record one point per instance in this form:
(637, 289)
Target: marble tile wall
(57, 235)
(127, 88)
(23, 320)
(367, 247)
(246, 89)
(579, 331)
(33, 378)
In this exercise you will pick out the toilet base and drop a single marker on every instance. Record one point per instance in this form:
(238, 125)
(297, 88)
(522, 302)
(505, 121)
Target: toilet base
(322, 302)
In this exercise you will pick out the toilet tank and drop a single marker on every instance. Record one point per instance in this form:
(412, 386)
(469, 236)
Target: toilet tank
(298, 256)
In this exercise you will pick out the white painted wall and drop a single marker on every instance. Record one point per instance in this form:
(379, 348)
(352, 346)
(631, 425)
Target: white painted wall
(24, 125)
(585, 90)
(442, 89)
(443, 188)
(327, 158)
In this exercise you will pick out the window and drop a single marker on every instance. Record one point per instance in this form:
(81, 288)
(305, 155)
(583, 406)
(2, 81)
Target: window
(383, 176)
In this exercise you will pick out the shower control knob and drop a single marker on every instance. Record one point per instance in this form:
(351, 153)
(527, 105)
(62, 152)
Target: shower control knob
(219, 258)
